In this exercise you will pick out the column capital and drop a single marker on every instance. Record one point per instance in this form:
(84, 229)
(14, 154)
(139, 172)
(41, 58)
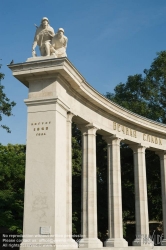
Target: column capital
(89, 128)
(110, 138)
(70, 116)
(161, 153)
(138, 147)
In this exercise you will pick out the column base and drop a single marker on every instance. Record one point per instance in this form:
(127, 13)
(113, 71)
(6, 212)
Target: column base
(116, 242)
(163, 243)
(90, 243)
(50, 244)
(146, 242)
(71, 244)
(37, 246)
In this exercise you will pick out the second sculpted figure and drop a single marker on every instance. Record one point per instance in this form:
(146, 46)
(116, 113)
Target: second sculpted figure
(49, 43)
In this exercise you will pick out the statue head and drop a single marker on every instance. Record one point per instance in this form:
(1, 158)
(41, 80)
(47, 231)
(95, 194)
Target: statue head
(44, 21)
(60, 32)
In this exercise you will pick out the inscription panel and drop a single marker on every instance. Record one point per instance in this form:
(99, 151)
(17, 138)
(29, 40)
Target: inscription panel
(133, 133)
(45, 230)
(40, 128)
(125, 130)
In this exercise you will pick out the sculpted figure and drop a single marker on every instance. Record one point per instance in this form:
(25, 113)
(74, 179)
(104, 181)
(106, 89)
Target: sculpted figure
(59, 44)
(43, 37)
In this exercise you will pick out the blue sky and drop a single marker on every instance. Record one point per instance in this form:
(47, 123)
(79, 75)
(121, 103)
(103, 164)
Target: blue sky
(108, 40)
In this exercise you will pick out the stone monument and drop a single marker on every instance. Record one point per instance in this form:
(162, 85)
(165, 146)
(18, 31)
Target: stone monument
(58, 95)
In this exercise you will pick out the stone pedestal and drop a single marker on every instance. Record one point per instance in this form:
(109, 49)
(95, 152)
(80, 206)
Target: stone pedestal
(89, 189)
(47, 204)
(141, 201)
(115, 223)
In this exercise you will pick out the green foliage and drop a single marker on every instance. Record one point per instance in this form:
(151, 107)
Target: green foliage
(12, 171)
(127, 175)
(5, 104)
(102, 194)
(76, 179)
(145, 95)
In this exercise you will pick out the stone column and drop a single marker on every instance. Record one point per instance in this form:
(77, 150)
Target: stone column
(141, 201)
(70, 242)
(89, 189)
(115, 223)
(162, 156)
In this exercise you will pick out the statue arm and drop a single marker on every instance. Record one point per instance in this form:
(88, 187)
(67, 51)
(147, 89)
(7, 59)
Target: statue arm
(35, 41)
(33, 48)
(65, 43)
(34, 45)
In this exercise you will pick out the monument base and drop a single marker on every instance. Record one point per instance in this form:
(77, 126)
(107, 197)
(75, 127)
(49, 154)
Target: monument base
(164, 242)
(51, 245)
(90, 243)
(143, 242)
(116, 243)
(102, 248)
(40, 58)
(129, 248)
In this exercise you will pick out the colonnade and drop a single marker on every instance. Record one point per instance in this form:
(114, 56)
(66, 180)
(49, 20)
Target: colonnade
(57, 93)
(89, 192)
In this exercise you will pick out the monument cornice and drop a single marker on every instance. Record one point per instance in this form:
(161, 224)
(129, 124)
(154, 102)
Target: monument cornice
(46, 101)
(48, 67)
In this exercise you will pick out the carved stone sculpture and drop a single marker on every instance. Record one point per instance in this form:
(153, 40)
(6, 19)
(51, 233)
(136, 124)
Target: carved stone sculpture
(49, 43)
(59, 44)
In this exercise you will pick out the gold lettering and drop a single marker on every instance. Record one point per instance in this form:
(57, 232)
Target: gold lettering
(148, 138)
(152, 139)
(46, 128)
(134, 134)
(131, 132)
(49, 122)
(114, 125)
(156, 140)
(118, 127)
(123, 129)
(160, 142)
(127, 131)
(31, 123)
(42, 128)
(38, 129)
(35, 123)
(34, 129)
(144, 137)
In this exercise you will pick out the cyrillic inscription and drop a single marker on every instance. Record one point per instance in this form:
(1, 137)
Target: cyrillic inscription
(40, 127)
(152, 139)
(124, 130)
(133, 133)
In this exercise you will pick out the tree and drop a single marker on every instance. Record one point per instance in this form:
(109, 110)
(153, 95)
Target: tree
(145, 94)
(5, 104)
(12, 171)
(76, 179)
